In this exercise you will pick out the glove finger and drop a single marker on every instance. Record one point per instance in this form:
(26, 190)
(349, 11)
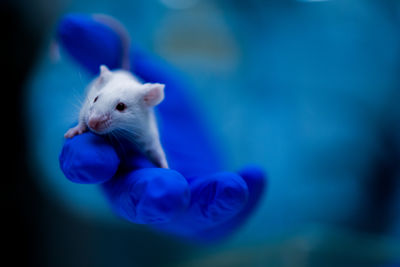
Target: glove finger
(90, 42)
(255, 180)
(88, 159)
(218, 197)
(257, 183)
(148, 196)
(214, 199)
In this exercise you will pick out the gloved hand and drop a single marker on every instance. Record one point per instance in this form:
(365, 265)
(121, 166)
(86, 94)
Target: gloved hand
(193, 198)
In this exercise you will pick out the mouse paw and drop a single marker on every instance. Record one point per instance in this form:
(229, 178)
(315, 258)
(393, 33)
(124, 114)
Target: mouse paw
(79, 129)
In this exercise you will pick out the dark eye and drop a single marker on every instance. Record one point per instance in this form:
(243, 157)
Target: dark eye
(95, 99)
(120, 106)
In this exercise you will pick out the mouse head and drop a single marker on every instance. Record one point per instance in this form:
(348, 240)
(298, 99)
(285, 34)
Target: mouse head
(120, 102)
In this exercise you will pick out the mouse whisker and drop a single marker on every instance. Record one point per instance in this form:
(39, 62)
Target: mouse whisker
(127, 127)
(115, 140)
(129, 135)
(123, 134)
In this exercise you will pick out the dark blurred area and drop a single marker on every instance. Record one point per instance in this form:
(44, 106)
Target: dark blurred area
(24, 27)
(308, 89)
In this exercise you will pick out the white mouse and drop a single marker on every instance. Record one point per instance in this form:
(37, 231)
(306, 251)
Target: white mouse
(119, 105)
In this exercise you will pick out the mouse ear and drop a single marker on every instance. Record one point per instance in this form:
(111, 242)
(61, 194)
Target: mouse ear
(154, 94)
(104, 76)
(104, 71)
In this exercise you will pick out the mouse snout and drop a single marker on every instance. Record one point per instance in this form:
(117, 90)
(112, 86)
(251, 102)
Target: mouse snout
(98, 123)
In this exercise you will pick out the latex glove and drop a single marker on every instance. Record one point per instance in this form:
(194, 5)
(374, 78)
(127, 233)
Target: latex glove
(193, 198)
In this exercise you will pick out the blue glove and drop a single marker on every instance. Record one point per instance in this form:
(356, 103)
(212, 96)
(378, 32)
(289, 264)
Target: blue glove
(192, 199)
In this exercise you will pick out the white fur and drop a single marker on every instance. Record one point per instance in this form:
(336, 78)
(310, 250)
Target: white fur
(136, 122)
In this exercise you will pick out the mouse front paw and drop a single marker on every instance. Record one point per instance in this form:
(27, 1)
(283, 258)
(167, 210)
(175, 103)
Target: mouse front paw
(79, 129)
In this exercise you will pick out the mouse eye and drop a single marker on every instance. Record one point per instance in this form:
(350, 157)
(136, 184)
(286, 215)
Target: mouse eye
(95, 99)
(120, 106)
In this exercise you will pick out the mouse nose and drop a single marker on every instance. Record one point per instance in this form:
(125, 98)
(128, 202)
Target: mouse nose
(94, 124)
(97, 123)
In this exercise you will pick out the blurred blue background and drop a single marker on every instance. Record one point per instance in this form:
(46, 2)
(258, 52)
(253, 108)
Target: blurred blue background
(307, 89)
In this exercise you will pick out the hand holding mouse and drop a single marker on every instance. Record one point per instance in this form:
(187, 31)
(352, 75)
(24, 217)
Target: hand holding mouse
(118, 105)
(193, 198)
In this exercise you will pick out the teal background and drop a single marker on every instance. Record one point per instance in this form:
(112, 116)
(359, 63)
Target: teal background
(308, 90)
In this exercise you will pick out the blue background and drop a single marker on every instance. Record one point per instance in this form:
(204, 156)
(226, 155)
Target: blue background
(308, 90)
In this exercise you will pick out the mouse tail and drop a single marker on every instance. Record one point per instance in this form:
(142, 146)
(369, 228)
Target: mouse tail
(54, 51)
(123, 34)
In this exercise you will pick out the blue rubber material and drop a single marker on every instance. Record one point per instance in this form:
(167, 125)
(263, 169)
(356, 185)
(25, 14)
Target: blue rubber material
(195, 198)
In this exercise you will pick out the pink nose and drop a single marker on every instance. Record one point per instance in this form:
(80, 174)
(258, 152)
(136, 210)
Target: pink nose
(97, 123)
